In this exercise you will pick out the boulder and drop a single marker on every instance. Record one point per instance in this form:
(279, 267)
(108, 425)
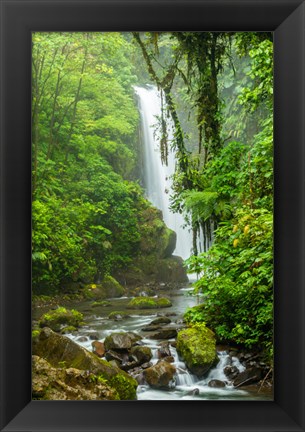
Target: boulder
(164, 333)
(120, 341)
(196, 345)
(142, 354)
(231, 372)
(50, 383)
(82, 339)
(98, 348)
(151, 328)
(119, 357)
(161, 320)
(149, 303)
(118, 315)
(171, 270)
(108, 288)
(193, 392)
(164, 350)
(215, 383)
(61, 317)
(159, 375)
(61, 351)
(101, 303)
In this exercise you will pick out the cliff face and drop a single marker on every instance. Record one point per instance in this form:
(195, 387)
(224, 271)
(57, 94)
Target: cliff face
(154, 261)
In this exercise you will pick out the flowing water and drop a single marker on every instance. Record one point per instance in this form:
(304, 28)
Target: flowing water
(157, 176)
(185, 385)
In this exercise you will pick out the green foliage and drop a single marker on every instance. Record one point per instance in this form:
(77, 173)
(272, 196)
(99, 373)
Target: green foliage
(237, 280)
(86, 208)
(61, 316)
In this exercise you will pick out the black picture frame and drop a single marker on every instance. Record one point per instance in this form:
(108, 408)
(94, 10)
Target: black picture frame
(18, 19)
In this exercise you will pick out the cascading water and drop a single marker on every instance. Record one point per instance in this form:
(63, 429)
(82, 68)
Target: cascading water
(157, 176)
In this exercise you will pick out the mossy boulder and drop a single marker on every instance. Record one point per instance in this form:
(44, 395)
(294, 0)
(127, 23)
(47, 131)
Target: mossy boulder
(156, 237)
(118, 315)
(149, 303)
(50, 383)
(108, 288)
(160, 375)
(196, 345)
(61, 317)
(142, 354)
(171, 270)
(59, 350)
(101, 303)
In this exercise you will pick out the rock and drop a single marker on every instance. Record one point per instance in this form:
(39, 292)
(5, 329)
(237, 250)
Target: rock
(101, 303)
(60, 351)
(119, 357)
(94, 336)
(159, 375)
(164, 333)
(197, 347)
(50, 383)
(129, 365)
(98, 348)
(61, 317)
(248, 376)
(171, 270)
(120, 341)
(151, 328)
(161, 320)
(216, 383)
(68, 330)
(82, 339)
(118, 315)
(231, 372)
(146, 365)
(164, 350)
(134, 337)
(149, 303)
(142, 354)
(108, 288)
(193, 392)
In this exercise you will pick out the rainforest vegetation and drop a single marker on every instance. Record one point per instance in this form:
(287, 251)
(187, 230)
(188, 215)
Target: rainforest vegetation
(89, 209)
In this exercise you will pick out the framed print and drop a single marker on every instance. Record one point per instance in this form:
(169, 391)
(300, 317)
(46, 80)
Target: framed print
(80, 208)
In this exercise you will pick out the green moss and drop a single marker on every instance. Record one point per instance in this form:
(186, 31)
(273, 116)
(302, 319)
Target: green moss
(55, 319)
(109, 287)
(148, 303)
(68, 329)
(197, 346)
(125, 385)
(35, 334)
(164, 302)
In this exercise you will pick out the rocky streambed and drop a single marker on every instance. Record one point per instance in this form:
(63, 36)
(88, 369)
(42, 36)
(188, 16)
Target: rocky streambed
(149, 351)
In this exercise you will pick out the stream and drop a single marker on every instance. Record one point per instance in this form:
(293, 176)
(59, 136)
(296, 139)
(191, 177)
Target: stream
(185, 386)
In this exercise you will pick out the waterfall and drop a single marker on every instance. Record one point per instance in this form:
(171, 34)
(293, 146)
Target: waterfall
(157, 176)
